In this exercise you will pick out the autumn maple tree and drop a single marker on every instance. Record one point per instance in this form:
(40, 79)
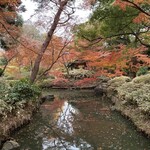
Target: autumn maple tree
(10, 23)
(111, 37)
(61, 7)
(108, 41)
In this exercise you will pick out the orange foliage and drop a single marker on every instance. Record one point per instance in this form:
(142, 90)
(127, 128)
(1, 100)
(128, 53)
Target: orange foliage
(113, 63)
(8, 15)
(141, 18)
(27, 51)
(144, 58)
(60, 82)
(85, 81)
(57, 74)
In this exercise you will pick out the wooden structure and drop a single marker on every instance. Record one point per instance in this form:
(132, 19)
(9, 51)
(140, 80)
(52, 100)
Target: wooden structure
(77, 64)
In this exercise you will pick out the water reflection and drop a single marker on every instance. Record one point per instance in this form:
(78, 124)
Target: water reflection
(66, 118)
(87, 123)
(55, 144)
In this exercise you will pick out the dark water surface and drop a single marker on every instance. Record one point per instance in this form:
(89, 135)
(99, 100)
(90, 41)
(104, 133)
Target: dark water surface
(78, 120)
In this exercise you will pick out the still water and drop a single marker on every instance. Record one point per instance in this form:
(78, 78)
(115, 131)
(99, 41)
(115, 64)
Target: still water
(78, 120)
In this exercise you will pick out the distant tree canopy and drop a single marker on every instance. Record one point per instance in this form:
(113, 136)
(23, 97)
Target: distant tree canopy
(31, 31)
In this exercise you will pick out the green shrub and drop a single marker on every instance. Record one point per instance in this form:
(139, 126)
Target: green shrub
(136, 94)
(45, 82)
(3, 61)
(22, 90)
(114, 83)
(4, 109)
(3, 87)
(142, 71)
(118, 81)
(16, 94)
(142, 79)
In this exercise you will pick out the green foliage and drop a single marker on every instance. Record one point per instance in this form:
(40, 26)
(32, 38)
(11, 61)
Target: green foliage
(14, 95)
(88, 30)
(132, 93)
(45, 82)
(3, 87)
(19, 21)
(3, 61)
(111, 22)
(114, 83)
(142, 79)
(22, 90)
(118, 81)
(142, 71)
(4, 109)
(136, 94)
(114, 20)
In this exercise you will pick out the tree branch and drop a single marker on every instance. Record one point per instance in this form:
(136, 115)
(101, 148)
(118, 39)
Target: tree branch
(137, 7)
(54, 61)
(98, 39)
(16, 39)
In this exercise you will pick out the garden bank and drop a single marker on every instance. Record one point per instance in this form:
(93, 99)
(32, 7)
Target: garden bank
(18, 101)
(131, 98)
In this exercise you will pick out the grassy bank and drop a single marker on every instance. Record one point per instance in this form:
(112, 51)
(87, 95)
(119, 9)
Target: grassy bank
(132, 99)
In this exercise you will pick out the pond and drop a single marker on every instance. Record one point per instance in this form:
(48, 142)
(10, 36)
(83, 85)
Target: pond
(78, 120)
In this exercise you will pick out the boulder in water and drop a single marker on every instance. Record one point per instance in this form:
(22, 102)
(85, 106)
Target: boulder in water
(11, 145)
(101, 89)
(48, 98)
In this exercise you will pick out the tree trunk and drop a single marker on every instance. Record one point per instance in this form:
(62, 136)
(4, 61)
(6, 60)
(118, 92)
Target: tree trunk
(50, 33)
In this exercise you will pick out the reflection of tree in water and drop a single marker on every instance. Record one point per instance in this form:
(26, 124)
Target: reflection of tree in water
(82, 129)
(63, 131)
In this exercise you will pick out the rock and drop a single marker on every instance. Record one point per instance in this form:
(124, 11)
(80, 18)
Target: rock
(101, 89)
(11, 145)
(73, 103)
(48, 98)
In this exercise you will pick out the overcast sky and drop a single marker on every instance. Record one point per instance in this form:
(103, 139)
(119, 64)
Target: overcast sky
(31, 6)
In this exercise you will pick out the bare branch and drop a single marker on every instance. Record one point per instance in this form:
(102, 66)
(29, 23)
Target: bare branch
(54, 61)
(16, 39)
